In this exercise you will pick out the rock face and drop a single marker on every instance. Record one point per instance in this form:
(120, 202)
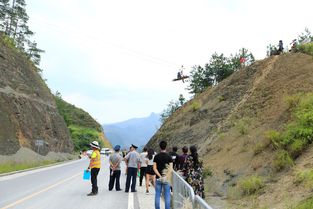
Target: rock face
(27, 108)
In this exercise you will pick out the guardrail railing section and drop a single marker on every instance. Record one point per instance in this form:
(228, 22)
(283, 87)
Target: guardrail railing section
(184, 196)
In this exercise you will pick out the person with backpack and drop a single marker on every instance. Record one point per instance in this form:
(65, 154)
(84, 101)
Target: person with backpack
(161, 162)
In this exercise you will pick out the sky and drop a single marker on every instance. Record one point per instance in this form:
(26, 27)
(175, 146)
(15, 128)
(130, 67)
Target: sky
(116, 59)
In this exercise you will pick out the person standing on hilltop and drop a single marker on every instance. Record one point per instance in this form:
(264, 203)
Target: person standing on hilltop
(132, 160)
(143, 165)
(115, 169)
(161, 162)
(280, 47)
(94, 165)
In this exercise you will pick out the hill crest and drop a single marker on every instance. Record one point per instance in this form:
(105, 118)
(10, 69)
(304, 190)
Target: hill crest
(227, 122)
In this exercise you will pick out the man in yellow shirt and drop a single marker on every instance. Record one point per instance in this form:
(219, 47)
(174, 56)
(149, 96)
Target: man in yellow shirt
(94, 165)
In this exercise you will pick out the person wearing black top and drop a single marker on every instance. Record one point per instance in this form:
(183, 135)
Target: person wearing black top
(161, 162)
(175, 158)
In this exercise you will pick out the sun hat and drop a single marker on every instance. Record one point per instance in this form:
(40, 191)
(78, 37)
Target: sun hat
(95, 144)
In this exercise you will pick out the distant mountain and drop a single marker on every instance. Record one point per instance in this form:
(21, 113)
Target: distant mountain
(136, 131)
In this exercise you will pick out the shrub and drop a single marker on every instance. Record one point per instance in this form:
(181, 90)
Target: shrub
(306, 204)
(306, 48)
(195, 105)
(282, 160)
(274, 137)
(296, 148)
(250, 185)
(207, 172)
(304, 177)
(221, 98)
(292, 101)
(242, 126)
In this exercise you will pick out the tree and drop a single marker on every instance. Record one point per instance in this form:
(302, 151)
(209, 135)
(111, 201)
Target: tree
(13, 21)
(219, 68)
(34, 53)
(172, 107)
(4, 13)
(305, 36)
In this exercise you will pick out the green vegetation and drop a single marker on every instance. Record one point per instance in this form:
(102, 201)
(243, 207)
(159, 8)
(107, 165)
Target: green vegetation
(306, 48)
(260, 146)
(75, 116)
(242, 126)
(9, 167)
(15, 31)
(195, 105)
(172, 107)
(82, 137)
(291, 142)
(306, 204)
(218, 68)
(305, 178)
(250, 185)
(83, 128)
(282, 160)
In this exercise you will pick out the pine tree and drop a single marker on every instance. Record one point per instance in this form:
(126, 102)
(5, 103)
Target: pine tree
(4, 14)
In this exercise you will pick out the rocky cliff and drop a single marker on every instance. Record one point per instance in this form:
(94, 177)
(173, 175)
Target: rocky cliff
(27, 108)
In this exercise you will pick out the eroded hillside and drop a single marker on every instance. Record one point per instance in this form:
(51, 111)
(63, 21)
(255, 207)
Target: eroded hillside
(27, 108)
(229, 124)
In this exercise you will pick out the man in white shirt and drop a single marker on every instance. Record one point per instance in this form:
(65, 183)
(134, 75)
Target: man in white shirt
(132, 161)
(143, 165)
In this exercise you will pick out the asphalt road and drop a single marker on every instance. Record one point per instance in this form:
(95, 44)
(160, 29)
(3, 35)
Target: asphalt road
(62, 187)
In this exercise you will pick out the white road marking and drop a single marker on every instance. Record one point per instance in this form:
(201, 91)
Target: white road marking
(13, 176)
(130, 200)
(39, 192)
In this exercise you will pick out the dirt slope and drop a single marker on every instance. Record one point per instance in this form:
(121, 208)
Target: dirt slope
(228, 121)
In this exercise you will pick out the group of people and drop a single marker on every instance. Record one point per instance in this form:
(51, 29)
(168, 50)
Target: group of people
(190, 167)
(151, 165)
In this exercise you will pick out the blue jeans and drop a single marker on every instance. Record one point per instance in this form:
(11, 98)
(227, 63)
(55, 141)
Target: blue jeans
(167, 194)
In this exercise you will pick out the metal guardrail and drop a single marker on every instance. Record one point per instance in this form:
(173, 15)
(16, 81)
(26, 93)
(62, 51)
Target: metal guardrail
(183, 194)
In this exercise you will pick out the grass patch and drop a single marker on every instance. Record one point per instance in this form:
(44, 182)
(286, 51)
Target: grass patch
(242, 126)
(305, 178)
(297, 135)
(9, 167)
(250, 185)
(221, 98)
(282, 161)
(195, 105)
(207, 172)
(306, 204)
(306, 48)
(260, 146)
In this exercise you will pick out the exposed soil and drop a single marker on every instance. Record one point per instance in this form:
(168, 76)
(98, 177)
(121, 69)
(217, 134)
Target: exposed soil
(231, 122)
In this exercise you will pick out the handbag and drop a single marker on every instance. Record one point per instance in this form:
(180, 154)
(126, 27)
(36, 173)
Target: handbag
(86, 175)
